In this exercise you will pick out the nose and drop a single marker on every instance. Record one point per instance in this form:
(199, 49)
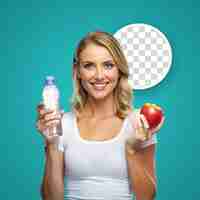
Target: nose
(99, 72)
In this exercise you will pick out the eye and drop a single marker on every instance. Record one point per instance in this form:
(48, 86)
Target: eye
(109, 65)
(88, 65)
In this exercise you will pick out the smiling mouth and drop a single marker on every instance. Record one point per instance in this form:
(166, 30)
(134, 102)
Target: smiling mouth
(99, 86)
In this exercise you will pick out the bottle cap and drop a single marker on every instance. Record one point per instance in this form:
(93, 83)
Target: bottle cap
(49, 80)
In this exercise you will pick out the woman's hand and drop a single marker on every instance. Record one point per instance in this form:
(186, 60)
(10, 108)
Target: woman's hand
(47, 120)
(142, 132)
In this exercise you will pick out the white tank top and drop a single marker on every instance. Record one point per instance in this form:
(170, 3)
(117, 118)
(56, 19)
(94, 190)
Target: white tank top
(96, 170)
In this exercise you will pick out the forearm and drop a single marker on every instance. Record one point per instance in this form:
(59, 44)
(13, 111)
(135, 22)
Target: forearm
(143, 184)
(53, 185)
(44, 188)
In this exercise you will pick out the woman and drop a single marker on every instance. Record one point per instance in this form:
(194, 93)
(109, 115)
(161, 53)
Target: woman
(96, 152)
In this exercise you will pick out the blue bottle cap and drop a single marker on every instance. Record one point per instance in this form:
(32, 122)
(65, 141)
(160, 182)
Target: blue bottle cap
(50, 80)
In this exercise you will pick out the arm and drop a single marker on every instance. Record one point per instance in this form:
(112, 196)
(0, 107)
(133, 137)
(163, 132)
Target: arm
(141, 169)
(52, 187)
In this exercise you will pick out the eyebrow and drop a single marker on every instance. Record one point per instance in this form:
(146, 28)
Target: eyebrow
(89, 61)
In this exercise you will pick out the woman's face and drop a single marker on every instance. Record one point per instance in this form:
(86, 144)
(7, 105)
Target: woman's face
(98, 73)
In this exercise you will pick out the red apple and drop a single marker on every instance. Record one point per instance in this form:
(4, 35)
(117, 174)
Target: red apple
(152, 113)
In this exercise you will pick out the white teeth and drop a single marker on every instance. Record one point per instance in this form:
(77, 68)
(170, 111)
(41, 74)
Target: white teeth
(98, 86)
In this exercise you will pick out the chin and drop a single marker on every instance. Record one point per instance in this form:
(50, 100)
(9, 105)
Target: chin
(101, 96)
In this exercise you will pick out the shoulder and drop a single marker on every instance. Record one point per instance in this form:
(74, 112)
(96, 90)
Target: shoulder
(131, 122)
(136, 110)
(67, 115)
(133, 115)
(67, 129)
(67, 120)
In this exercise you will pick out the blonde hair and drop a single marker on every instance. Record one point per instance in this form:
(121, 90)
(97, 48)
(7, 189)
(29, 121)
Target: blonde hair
(122, 92)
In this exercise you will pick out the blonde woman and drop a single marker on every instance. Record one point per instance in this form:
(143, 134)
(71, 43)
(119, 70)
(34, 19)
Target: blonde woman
(95, 152)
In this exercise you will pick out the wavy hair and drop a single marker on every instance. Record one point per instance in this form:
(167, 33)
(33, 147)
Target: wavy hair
(122, 93)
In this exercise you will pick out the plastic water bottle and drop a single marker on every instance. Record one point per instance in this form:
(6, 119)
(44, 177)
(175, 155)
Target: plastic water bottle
(51, 102)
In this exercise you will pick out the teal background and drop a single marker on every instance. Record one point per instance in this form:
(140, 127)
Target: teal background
(38, 38)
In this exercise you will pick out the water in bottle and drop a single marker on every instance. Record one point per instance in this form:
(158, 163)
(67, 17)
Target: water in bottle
(51, 102)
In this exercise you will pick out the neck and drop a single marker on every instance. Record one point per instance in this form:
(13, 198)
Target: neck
(100, 108)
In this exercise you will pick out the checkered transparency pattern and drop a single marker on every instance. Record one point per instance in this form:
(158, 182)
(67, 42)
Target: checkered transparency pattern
(148, 53)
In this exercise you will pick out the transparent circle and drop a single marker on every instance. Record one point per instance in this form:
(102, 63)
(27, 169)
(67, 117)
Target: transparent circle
(148, 53)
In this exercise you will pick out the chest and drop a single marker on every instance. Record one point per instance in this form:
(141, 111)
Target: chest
(99, 129)
(96, 159)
